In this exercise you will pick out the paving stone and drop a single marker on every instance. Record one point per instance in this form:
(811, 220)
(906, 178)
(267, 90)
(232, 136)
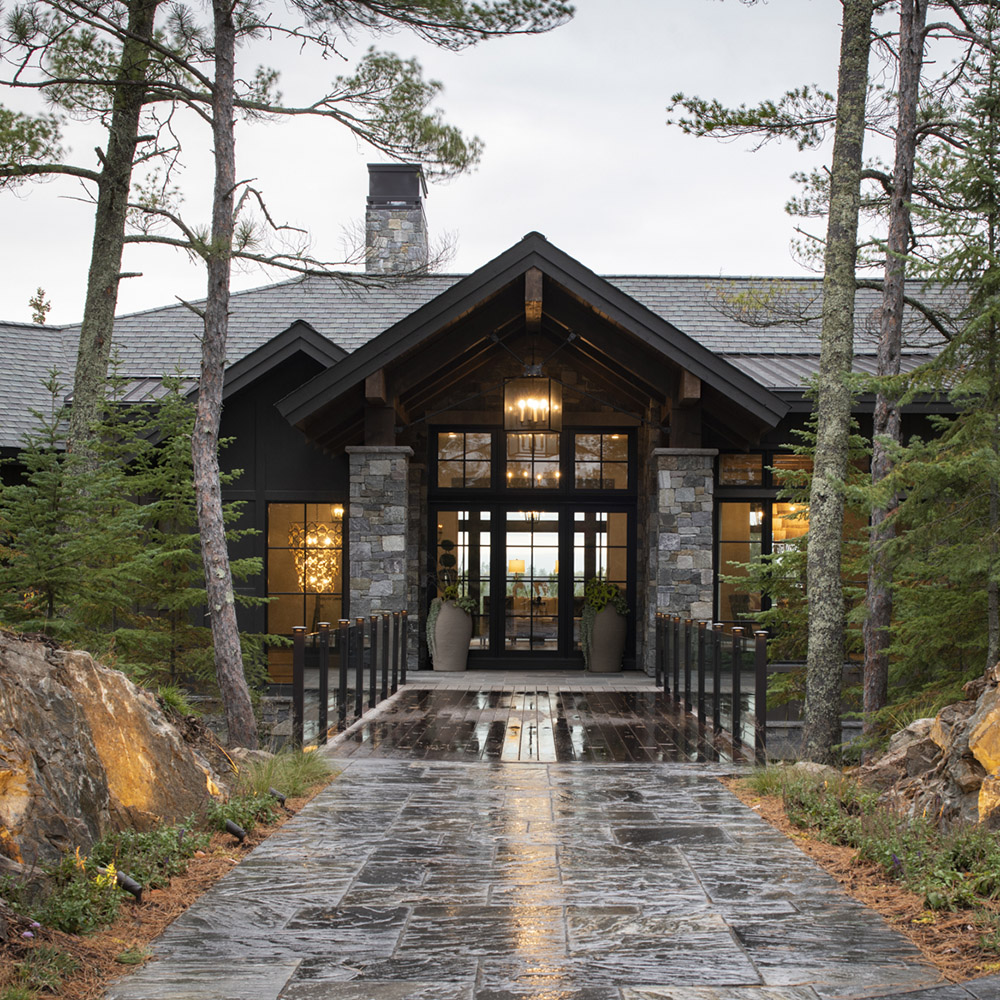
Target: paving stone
(433, 870)
(196, 979)
(984, 989)
(953, 991)
(719, 993)
(370, 990)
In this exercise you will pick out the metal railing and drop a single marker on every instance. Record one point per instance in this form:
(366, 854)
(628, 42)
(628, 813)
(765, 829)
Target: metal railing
(336, 669)
(721, 677)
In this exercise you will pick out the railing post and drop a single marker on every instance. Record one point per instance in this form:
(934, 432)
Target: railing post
(345, 650)
(298, 684)
(324, 679)
(386, 642)
(373, 654)
(737, 695)
(658, 649)
(701, 673)
(717, 676)
(688, 646)
(760, 697)
(394, 681)
(359, 669)
(675, 641)
(402, 645)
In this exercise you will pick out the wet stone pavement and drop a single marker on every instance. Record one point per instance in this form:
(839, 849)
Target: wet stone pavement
(526, 723)
(435, 868)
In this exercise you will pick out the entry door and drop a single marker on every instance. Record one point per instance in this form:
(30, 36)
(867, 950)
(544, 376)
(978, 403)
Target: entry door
(531, 590)
(527, 570)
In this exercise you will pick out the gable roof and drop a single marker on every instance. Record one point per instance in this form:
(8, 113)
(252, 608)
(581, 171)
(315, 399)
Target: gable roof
(299, 338)
(348, 311)
(571, 279)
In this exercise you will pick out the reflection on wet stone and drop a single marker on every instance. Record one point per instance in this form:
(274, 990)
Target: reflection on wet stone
(544, 726)
(413, 877)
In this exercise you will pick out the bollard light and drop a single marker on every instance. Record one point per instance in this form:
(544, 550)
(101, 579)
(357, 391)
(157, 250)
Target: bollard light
(237, 831)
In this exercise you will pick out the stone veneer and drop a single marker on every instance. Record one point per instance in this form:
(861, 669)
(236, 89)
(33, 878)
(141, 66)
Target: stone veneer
(395, 239)
(680, 539)
(378, 516)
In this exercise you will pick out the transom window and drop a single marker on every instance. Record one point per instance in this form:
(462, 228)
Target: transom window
(522, 460)
(533, 461)
(464, 460)
(600, 462)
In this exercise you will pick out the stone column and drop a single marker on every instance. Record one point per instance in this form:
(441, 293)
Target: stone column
(681, 539)
(378, 517)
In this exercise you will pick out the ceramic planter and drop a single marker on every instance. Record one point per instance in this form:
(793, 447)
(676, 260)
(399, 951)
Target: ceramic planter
(608, 643)
(452, 634)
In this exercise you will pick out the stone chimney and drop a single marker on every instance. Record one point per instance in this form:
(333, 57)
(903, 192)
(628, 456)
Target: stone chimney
(395, 225)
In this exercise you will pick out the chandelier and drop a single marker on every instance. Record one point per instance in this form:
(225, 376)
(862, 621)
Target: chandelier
(317, 547)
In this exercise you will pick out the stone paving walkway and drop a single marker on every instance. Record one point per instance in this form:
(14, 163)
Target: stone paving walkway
(423, 879)
(522, 723)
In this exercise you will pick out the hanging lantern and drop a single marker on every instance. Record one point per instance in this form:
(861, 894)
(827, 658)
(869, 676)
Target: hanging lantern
(532, 403)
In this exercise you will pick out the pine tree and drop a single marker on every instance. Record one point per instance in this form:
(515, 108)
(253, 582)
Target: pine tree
(45, 552)
(948, 621)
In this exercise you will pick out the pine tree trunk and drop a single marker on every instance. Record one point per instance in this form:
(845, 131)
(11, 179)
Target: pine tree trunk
(240, 720)
(886, 424)
(109, 225)
(825, 655)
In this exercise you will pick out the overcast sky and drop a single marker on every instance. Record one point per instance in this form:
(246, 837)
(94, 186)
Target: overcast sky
(576, 148)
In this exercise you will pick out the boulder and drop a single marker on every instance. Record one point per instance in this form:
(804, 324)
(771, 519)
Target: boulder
(947, 768)
(84, 751)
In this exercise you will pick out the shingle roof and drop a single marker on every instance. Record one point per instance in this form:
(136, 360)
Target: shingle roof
(28, 353)
(348, 313)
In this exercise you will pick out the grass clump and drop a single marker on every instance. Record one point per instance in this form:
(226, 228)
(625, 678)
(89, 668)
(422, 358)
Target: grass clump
(18, 991)
(245, 811)
(176, 699)
(291, 772)
(43, 969)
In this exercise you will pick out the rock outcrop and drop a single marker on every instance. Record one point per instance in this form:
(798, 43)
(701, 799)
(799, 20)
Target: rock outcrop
(83, 751)
(947, 768)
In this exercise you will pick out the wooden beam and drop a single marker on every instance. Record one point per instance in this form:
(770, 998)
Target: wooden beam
(533, 299)
(685, 427)
(380, 425)
(689, 390)
(375, 390)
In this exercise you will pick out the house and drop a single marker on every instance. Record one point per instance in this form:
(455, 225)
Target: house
(516, 431)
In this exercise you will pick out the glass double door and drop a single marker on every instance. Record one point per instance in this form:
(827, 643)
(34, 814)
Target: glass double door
(526, 571)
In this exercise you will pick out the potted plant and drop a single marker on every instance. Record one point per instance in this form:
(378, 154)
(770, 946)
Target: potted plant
(602, 625)
(449, 629)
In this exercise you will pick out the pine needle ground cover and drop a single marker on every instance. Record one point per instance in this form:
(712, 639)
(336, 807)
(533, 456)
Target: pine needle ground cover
(941, 889)
(83, 931)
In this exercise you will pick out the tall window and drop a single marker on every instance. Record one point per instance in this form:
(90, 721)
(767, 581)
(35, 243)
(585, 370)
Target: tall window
(741, 534)
(463, 561)
(305, 548)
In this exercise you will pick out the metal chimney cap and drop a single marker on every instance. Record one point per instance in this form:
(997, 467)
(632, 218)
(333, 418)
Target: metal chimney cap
(396, 184)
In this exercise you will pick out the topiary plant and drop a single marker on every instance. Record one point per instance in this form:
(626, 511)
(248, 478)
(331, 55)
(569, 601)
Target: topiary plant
(597, 595)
